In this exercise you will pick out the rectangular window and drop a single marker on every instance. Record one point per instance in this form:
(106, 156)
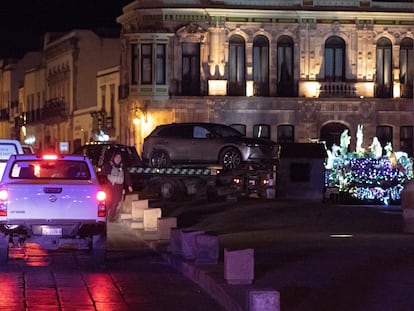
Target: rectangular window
(112, 104)
(146, 64)
(103, 97)
(160, 65)
(134, 63)
(190, 78)
(406, 139)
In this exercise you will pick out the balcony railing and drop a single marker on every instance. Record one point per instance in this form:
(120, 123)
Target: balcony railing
(337, 89)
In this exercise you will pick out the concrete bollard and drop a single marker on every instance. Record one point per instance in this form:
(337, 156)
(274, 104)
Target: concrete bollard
(407, 205)
(127, 204)
(164, 225)
(264, 300)
(138, 208)
(183, 242)
(239, 266)
(151, 216)
(188, 242)
(206, 249)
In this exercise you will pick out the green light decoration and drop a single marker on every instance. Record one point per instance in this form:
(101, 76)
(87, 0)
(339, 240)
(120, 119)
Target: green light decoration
(368, 175)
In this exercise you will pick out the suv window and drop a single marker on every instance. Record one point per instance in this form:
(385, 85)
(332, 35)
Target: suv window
(183, 131)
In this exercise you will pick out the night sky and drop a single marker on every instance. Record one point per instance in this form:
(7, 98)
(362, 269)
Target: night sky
(23, 22)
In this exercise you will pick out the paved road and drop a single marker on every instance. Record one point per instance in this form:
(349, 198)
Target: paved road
(134, 278)
(320, 257)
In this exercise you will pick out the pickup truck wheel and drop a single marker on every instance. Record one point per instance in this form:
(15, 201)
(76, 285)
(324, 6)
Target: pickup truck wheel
(159, 159)
(4, 247)
(230, 158)
(98, 249)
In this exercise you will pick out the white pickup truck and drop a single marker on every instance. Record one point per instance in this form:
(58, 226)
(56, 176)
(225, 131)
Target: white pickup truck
(54, 201)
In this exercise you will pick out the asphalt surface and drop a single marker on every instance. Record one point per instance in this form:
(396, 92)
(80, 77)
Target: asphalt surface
(319, 257)
(134, 278)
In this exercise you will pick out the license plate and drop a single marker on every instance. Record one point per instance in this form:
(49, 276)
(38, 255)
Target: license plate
(51, 231)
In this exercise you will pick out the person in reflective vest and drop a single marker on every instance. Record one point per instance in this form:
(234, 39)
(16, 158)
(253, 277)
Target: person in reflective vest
(117, 182)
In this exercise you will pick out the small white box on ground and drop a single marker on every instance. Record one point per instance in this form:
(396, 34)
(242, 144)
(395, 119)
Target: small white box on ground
(164, 227)
(206, 249)
(127, 203)
(264, 300)
(151, 216)
(138, 208)
(239, 266)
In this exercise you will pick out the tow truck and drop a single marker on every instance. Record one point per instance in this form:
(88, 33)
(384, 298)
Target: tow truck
(181, 182)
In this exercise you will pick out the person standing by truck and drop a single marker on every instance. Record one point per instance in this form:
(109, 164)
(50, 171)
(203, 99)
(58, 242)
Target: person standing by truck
(117, 182)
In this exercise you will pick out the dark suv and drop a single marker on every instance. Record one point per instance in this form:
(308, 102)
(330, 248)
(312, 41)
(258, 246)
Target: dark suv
(206, 143)
(99, 153)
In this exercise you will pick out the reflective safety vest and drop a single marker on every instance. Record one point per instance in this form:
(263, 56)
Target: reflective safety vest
(116, 176)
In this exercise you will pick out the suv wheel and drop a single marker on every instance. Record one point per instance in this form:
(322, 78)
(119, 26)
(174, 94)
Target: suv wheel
(159, 158)
(230, 158)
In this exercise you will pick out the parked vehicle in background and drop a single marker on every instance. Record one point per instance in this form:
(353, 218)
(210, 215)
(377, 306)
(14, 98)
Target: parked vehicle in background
(99, 153)
(53, 201)
(207, 143)
(7, 148)
(28, 149)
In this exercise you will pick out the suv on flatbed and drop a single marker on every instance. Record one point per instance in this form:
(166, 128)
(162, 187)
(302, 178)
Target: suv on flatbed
(207, 144)
(53, 201)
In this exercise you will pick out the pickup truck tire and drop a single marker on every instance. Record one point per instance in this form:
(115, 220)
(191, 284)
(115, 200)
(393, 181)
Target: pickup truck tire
(4, 247)
(98, 249)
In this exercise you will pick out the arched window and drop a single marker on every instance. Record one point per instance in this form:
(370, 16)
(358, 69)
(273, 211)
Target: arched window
(261, 66)
(335, 59)
(237, 66)
(285, 84)
(285, 133)
(406, 67)
(261, 131)
(331, 134)
(383, 79)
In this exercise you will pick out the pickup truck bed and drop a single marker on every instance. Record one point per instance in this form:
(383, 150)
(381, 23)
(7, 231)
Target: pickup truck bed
(54, 202)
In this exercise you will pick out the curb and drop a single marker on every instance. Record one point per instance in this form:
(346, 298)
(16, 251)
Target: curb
(200, 276)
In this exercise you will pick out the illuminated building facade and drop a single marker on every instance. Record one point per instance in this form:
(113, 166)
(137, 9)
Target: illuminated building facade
(292, 71)
(64, 95)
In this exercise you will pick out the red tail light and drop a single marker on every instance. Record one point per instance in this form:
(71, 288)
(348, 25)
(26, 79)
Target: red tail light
(50, 156)
(3, 202)
(101, 197)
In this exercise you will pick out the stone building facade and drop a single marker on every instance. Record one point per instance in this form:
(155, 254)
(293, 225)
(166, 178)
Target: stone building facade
(291, 71)
(64, 80)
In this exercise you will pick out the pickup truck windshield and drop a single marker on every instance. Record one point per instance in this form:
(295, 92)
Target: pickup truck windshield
(50, 169)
